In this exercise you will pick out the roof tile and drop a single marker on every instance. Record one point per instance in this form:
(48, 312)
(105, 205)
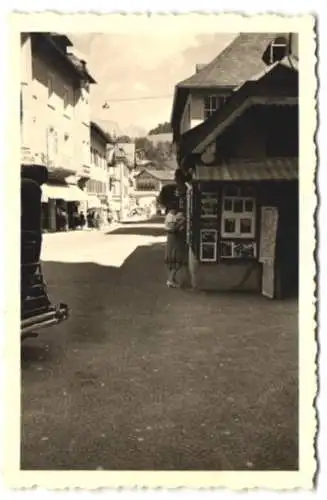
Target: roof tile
(269, 169)
(235, 64)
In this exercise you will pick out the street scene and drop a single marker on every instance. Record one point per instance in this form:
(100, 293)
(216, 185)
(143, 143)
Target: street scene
(159, 252)
(141, 377)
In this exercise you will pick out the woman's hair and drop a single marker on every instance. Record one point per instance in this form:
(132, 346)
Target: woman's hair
(173, 204)
(179, 176)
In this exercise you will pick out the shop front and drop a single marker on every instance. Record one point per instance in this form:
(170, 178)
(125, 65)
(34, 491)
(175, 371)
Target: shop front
(242, 199)
(238, 229)
(61, 206)
(97, 210)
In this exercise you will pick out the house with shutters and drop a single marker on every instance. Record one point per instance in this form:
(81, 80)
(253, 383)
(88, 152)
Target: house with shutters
(55, 120)
(235, 125)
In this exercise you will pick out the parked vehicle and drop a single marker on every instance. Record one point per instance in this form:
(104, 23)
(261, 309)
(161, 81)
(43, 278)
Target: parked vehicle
(135, 212)
(37, 311)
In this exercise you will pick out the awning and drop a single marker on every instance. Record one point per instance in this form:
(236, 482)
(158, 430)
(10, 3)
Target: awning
(279, 169)
(93, 201)
(66, 192)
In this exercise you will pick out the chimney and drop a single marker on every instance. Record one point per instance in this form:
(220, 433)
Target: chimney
(199, 67)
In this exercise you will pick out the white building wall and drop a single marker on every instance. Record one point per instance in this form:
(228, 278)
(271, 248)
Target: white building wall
(55, 116)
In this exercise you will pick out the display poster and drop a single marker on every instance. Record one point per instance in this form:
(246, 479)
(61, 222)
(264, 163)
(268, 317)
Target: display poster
(208, 245)
(208, 206)
(268, 234)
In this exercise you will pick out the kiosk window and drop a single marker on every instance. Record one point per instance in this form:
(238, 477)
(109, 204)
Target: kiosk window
(238, 217)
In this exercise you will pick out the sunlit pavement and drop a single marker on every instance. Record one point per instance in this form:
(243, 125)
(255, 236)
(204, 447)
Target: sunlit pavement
(145, 377)
(95, 246)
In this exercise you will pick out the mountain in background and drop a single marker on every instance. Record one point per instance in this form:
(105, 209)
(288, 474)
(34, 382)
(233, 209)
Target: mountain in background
(114, 129)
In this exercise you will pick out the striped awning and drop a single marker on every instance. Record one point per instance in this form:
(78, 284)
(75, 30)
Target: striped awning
(66, 192)
(270, 169)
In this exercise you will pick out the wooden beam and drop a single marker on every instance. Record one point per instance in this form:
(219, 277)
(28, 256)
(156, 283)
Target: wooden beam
(250, 101)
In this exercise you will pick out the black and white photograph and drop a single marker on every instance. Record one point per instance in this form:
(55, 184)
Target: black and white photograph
(166, 238)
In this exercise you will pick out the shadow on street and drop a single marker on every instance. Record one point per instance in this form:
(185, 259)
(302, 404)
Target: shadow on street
(140, 230)
(142, 377)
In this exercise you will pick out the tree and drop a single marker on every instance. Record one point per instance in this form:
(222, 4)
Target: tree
(157, 153)
(144, 147)
(161, 128)
(124, 139)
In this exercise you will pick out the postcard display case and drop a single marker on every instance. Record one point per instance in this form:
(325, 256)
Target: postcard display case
(202, 222)
(221, 223)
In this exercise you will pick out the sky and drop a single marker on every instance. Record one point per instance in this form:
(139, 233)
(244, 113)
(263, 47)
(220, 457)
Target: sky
(146, 64)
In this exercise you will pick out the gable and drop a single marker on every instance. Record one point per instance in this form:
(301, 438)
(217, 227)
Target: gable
(260, 88)
(235, 65)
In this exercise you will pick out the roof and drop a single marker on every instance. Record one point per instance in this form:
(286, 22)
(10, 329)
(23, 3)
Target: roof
(59, 44)
(160, 175)
(235, 64)
(95, 127)
(170, 164)
(277, 169)
(257, 86)
(241, 59)
(62, 38)
(80, 65)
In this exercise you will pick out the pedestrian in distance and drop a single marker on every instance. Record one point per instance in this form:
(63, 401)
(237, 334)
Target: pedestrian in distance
(98, 221)
(175, 256)
(90, 219)
(82, 220)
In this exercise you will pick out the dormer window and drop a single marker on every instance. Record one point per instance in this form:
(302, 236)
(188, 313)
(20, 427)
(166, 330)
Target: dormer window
(277, 52)
(278, 49)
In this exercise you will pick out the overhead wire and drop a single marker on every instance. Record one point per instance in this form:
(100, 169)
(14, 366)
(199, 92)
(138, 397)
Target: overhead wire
(144, 98)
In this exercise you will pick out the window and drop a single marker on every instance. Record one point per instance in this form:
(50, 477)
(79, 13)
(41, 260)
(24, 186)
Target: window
(66, 97)
(50, 85)
(238, 217)
(212, 103)
(52, 139)
(277, 50)
(96, 158)
(208, 245)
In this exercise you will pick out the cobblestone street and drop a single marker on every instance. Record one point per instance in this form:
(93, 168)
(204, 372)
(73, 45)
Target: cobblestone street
(144, 377)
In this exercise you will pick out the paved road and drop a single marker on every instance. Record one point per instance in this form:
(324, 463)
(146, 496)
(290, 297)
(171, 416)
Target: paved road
(144, 377)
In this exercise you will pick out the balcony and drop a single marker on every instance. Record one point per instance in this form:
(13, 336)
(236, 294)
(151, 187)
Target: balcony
(84, 170)
(61, 165)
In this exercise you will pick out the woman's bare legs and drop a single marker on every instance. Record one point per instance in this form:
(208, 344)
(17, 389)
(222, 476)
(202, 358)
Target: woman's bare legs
(171, 281)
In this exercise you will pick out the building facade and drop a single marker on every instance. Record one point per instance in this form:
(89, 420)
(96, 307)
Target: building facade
(122, 168)
(148, 185)
(98, 185)
(242, 190)
(55, 130)
(202, 94)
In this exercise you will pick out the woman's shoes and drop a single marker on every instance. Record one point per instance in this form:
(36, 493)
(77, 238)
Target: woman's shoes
(172, 284)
